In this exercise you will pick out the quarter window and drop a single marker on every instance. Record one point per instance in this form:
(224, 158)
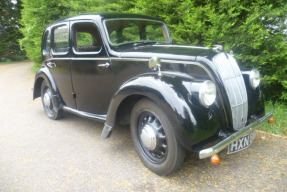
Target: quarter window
(61, 39)
(47, 43)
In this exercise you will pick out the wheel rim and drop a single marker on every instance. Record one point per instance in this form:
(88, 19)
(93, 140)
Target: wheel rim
(152, 137)
(47, 101)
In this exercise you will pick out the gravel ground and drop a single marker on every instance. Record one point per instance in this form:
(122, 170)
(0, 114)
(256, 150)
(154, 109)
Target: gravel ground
(39, 154)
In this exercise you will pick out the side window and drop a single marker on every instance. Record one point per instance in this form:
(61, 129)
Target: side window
(47, 43)
(86, 38)
(61, 39)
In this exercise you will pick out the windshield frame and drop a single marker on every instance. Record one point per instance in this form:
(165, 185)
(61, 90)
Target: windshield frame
(136, 42)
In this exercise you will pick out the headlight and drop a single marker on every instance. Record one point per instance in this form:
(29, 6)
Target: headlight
(207, 93)
(254, 78)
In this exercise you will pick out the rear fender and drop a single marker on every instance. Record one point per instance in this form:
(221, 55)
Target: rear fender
(43, 74)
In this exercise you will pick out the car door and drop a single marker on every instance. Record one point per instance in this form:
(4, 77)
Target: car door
(91, 69)
(57, 60)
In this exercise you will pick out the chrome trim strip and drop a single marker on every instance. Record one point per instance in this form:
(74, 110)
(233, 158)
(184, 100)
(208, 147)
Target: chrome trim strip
(52, 59)
(128, 59)
(101, 118)
(182, 46)
(88, 59)
(76, 59)
(181, 62)
(223, 144)
(86, 53)
(59, 53)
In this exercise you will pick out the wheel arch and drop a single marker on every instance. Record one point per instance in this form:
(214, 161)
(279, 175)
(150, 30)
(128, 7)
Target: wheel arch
(125, 108)
(43, 74)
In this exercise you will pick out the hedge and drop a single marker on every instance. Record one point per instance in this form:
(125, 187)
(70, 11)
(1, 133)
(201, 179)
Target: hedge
(254, 30)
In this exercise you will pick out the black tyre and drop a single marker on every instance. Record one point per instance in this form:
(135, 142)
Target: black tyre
(154, 138)
(46, 96)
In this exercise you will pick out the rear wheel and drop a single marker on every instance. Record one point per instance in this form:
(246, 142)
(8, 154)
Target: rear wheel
(47, 101)
(154, 138)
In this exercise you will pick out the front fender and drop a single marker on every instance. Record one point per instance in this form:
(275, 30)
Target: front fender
(172, 92)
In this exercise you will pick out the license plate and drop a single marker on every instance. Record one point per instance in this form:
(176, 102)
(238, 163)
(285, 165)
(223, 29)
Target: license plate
(242, 143)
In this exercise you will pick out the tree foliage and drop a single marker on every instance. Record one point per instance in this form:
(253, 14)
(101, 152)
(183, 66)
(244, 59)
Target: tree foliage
(254, 30)
(9, 29)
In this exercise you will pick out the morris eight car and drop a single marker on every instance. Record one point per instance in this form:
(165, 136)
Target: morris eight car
(125, 69)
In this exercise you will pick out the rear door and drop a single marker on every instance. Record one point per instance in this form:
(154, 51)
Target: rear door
(91, 69)
(58, 62)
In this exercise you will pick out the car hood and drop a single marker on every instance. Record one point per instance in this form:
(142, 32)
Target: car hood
(174, 52)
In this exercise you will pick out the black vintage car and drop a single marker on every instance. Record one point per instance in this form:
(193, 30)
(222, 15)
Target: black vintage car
(124, 68)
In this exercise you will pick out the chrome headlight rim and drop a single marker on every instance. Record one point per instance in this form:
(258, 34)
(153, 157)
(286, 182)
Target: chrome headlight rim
(207, 93)
(254, 78)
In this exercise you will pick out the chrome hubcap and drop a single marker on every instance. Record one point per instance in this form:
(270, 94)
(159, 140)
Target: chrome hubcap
(47, 99)
(152, 137)
(148, 137)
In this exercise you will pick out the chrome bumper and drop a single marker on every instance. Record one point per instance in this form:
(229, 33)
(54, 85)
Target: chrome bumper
(224, 143)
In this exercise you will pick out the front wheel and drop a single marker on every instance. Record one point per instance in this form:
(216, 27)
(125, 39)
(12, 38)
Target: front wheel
(47, 101)
(154, 138)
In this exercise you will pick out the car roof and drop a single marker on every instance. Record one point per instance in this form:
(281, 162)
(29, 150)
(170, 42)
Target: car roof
(94, 16)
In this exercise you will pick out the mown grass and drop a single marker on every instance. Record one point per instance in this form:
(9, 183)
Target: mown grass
(279, 127)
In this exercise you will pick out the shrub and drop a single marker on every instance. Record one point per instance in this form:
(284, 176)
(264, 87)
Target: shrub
(254, 30)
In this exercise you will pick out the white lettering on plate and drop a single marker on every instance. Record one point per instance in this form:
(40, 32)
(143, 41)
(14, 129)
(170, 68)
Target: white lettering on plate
(241, 143)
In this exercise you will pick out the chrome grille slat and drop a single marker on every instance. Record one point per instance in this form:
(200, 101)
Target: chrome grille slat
(234, 85)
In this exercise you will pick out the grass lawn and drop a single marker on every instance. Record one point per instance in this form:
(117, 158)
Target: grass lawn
(279, 127)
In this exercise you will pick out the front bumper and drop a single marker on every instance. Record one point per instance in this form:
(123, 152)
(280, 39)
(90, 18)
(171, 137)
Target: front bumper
(224, 143)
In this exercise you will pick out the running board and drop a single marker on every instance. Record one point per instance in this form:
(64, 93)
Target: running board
(101, 118)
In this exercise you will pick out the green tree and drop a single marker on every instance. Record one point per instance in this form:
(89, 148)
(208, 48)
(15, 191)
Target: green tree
(37, 14)
(9, 29)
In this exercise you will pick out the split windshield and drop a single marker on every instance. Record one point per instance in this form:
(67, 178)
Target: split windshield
(123, 31)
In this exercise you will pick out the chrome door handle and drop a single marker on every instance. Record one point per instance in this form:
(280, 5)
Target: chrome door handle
(106, 65)
(51, 64)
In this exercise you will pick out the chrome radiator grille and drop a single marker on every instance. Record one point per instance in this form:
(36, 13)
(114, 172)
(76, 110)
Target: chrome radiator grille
(234, 85)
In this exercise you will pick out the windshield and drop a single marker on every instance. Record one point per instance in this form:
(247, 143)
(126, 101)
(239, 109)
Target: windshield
(123, 31)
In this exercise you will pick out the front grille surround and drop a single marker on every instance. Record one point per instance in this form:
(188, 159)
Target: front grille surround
(234, 86)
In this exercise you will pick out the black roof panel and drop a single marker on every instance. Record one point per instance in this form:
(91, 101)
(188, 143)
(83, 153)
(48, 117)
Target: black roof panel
(95, 16)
